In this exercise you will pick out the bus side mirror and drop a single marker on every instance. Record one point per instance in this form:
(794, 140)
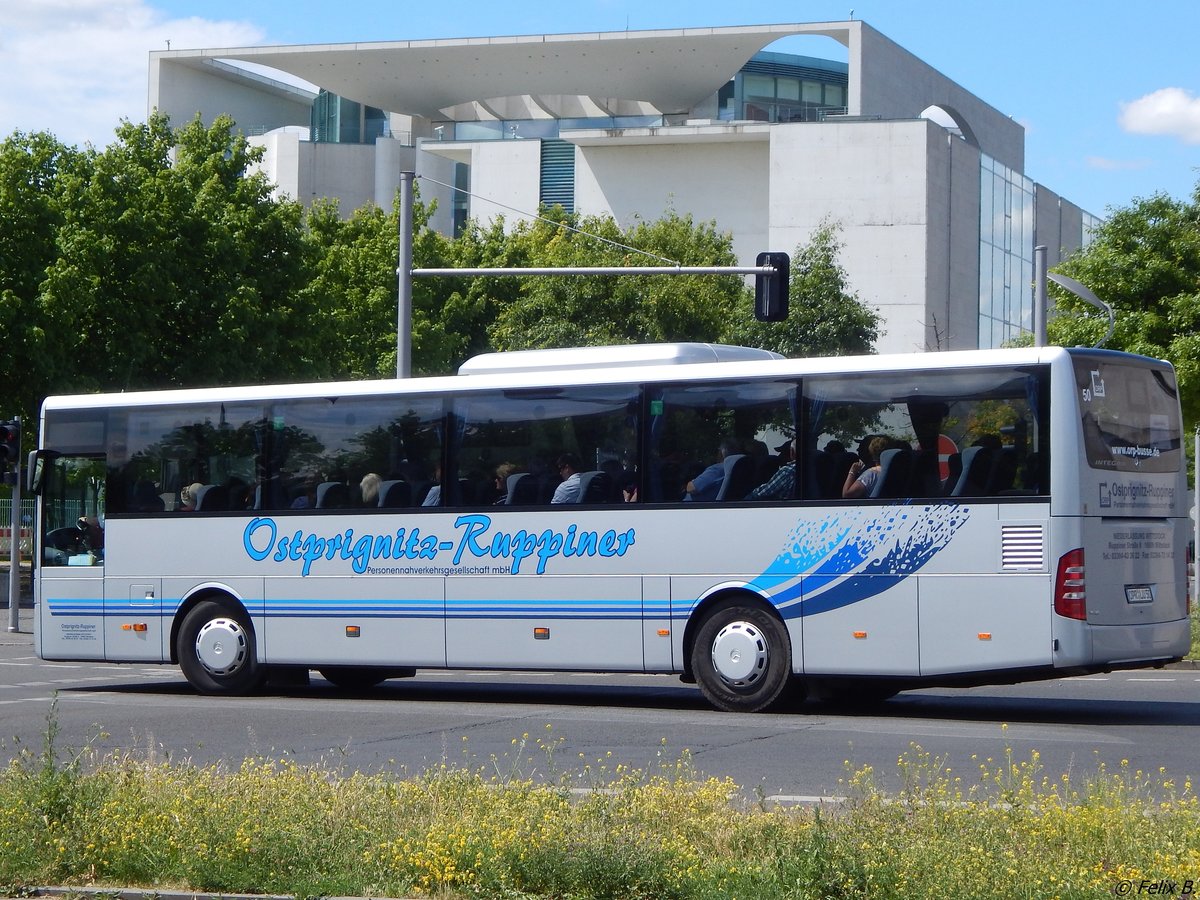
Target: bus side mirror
(771, 291)
(35, 471)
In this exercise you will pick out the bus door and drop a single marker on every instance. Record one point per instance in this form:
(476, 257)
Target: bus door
(69, 582)
(133, 622)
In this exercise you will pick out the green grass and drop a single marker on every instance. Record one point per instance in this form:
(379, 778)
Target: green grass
(525, 827)
(1194, 653)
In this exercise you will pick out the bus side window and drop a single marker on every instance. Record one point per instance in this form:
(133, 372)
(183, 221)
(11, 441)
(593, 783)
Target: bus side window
(546, 446)
(710, 443)
(971, 434)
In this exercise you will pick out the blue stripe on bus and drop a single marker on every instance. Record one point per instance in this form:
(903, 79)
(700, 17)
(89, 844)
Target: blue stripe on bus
(825, 565)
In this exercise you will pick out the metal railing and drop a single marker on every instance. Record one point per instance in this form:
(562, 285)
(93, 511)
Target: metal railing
(27, 512)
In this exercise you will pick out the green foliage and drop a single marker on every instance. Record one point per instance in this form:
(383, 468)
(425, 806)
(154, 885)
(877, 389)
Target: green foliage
(177, 272)
(825, 317)
(471, 305)
(998, 828)
(354, 284)
(1144, 261)
(164, 260)
(573, 310)
(32, 171)
(158, 261)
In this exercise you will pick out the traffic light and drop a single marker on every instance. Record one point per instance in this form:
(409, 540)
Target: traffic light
(10, 441)
(771, 291)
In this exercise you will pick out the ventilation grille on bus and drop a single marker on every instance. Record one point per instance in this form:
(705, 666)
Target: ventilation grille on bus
(1022, 547)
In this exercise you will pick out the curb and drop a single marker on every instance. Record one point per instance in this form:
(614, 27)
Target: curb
(115, 893)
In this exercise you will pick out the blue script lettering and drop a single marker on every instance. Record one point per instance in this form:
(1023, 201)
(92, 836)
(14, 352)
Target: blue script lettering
(477, 540)
(248, 538)
(522, 544)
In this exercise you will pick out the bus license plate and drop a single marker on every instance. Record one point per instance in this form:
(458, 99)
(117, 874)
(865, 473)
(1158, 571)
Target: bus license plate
(1138, 593)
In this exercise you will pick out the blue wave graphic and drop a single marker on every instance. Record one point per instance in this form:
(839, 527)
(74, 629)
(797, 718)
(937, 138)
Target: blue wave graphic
(856, 554)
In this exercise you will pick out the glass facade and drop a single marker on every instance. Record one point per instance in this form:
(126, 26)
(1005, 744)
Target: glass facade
(535, 129)
(1006, 215)
(780, 87)
(1090, 225)
(336, 120)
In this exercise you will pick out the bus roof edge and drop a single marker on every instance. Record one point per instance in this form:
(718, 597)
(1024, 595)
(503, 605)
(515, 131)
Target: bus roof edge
(567, 358)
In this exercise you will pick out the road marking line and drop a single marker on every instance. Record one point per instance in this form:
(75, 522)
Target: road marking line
(802, 800)
(1151, 679)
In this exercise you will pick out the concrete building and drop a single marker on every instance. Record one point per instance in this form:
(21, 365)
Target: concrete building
(925, 181)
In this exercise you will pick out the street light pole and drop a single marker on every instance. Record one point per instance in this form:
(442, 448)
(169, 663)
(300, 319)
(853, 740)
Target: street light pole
(14, 544)
(1040, 297)
(404, 274)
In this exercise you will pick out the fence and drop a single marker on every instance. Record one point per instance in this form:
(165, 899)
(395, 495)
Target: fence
(6, 526)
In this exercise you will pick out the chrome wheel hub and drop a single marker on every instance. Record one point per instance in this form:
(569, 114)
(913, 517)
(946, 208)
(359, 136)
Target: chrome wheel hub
(221, 646)
(740, 653)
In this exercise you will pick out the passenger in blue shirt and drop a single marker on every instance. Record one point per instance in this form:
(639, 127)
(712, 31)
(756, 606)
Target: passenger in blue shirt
(704, 487)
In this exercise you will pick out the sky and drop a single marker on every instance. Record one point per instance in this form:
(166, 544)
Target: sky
(1108, 91)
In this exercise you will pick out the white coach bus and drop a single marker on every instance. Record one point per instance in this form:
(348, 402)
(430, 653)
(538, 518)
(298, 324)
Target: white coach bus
(1022, 516)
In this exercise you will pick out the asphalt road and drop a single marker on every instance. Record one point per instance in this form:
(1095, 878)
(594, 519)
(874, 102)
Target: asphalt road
(1149, 718)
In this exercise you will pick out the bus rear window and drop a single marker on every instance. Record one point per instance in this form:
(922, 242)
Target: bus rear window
(1130, 416)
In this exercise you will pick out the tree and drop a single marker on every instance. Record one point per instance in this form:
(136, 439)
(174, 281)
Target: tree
(1144, 261)
(32, 168)
(354, 282)
(571, 310)
(825, 317)
(175, 266)
(472, 305)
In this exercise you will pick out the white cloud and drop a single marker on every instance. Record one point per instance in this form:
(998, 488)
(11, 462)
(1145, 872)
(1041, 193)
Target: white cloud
(75, 68)
(1170, 111)
(1115, 165)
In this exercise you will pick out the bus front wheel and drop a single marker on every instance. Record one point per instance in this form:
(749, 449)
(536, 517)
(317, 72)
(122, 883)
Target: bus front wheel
(216, 650)
(742, 658)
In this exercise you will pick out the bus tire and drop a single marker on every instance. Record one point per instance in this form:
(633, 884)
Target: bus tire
(742, 658)
(216, 650)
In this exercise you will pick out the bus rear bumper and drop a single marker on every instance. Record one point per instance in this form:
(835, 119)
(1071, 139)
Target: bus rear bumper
(1132, 644)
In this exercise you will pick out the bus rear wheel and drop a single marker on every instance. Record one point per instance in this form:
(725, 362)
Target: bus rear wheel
(742, 658)
(216, 650)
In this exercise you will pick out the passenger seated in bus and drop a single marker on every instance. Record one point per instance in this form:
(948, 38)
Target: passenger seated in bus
(434, 496)
(781, 485)
(569, 468)
(705, 486)
(862, 475)
(93, 533)
(308, 499)
(187, 496)
(501, 481)
(629, 491)
(369, 488)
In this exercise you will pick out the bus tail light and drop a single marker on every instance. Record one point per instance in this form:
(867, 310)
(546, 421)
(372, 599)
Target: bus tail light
(1070, 592)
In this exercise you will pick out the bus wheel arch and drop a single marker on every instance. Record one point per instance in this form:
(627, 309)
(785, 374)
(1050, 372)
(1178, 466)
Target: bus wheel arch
(214, 643)
(738, 650)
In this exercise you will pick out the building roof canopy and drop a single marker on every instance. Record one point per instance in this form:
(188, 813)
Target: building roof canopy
(671, 71)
